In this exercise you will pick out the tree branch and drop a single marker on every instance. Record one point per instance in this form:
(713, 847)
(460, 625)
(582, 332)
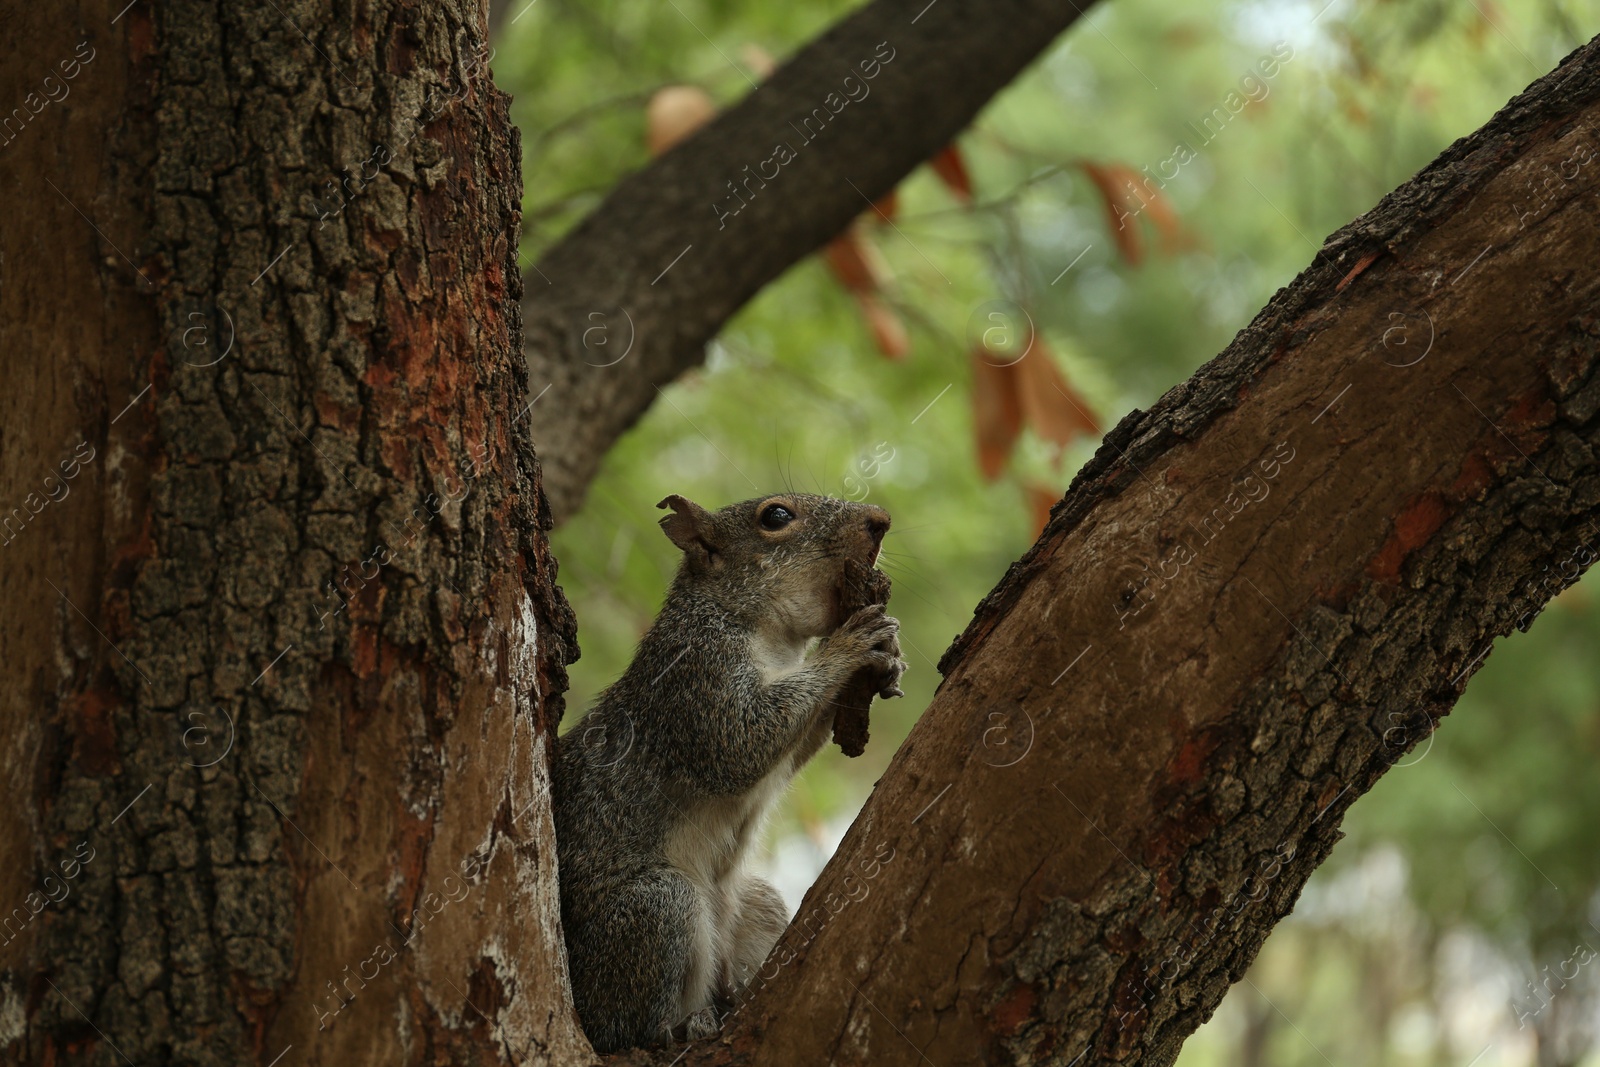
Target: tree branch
(1258, 597)
(678, 247)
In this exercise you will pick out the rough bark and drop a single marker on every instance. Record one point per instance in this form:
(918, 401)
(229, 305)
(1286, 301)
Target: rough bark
(285, 659)
(627, 301)
(1260, 596)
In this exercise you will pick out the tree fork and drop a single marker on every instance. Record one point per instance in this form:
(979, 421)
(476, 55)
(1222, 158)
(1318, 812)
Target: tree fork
(292, 653)
(1257, 598)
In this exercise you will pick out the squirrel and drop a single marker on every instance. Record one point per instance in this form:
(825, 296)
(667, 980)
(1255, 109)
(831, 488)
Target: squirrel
(662, 789)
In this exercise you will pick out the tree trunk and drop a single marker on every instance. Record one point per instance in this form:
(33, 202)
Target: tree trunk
(1257, 598)
(627, 301)
(286, 652)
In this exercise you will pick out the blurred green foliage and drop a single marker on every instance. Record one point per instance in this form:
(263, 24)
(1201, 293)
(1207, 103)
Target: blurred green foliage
(1490, 827)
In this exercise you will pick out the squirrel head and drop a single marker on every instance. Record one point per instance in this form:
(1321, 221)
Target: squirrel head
(777, 560)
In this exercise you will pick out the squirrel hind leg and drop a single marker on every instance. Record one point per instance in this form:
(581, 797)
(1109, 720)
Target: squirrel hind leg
(761, 920)
(628, 968)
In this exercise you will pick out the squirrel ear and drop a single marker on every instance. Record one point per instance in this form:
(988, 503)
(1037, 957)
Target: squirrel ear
(692, 529)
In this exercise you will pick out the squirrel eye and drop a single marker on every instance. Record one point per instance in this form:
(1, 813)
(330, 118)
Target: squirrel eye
(775, 517)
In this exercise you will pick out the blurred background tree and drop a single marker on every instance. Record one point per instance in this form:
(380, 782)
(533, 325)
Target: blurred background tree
(1117, 213)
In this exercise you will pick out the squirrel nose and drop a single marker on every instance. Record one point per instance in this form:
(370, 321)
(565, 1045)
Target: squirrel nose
(877, 524)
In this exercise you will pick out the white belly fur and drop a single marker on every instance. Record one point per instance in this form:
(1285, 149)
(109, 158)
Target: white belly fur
(712, 845)
(710, 848)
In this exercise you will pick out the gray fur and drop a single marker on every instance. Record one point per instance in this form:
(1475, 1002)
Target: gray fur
(662, 788)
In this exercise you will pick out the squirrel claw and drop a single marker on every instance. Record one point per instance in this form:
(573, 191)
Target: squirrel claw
(888, 667)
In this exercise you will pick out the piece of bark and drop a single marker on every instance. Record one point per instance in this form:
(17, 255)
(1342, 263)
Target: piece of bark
(859, 587)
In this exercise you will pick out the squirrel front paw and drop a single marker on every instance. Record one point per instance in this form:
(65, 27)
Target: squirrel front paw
(870, 639)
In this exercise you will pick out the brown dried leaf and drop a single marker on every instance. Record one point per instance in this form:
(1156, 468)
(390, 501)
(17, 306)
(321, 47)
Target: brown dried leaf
(674, 112)
(996, 413)
(855, 261)
(886, 207)
(887, 329)
(758, 59)
(1147, 198)
(1055, 410)
(1120, 216)
(1041, 499)
(951, 168)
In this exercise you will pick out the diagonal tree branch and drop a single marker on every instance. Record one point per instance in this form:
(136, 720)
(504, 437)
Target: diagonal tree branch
(677, 248)
(1259, 597)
